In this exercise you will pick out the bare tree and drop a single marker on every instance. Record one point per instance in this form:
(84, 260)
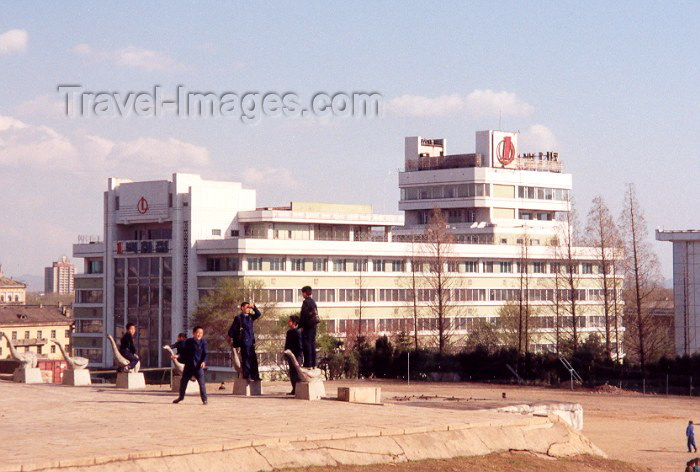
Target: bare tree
(602, 234)
(643, 277)
(524, 295)
(510, 331)
(568, 258)
(415, 266)
(437, 246)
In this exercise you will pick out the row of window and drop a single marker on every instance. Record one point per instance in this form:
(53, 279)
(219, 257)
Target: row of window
(39, 349)
(321, 264)
(478, 190)
(543, 193)
(370, 295)
(39, 334)
(445, 191)
(88, 296)
(463, 324)
(9, 299)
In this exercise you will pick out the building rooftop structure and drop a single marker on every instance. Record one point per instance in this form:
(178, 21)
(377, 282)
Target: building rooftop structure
(34, 315)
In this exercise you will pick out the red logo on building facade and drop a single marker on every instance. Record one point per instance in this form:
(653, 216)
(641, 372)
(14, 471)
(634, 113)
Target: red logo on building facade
(505, 151)
(142, 205)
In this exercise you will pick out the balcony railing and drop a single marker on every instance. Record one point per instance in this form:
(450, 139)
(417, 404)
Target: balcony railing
(30, 342)
(144, 246)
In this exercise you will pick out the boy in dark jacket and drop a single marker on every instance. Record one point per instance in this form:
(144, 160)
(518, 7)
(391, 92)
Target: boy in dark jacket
(127, 348)
(241, 334)
(180, 343)
(293, 343)
(194, 356)
(307, 323)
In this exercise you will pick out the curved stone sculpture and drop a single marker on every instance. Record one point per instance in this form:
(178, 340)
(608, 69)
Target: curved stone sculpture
(306, 374)
(119, 360)
(236, 361)
(179, 366)
(74, 363)
(27, 360)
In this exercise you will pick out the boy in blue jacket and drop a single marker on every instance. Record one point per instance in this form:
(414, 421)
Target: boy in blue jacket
(194, 356)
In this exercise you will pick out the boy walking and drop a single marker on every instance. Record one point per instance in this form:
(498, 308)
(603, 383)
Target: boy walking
(194, 356)
(690, 434)
(293, 343)
(242, 335)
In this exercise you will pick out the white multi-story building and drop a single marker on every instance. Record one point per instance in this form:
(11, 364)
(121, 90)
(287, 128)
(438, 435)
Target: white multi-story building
(686, 288)
(167, 243)
(59, 277)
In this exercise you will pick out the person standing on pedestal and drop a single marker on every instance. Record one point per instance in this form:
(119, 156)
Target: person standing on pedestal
(242, 335)
(308, 322)
(127, 348)
(194, 357)
(293, 343)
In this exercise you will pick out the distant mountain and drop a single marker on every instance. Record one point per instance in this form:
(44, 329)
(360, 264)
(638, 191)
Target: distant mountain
(35, 283)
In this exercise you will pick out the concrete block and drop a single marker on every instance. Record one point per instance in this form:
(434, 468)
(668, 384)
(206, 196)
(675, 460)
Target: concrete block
(247, 388)
(192, 386)
(131, 380)
(28, 376)
(310, 390)
(360, 394)
(76, 378)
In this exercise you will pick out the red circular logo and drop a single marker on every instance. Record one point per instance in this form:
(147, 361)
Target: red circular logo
(142, 205)
(505, 151)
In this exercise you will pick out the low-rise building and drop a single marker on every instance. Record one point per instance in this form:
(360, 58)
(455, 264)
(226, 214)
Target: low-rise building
(11, 291)
(31, 328)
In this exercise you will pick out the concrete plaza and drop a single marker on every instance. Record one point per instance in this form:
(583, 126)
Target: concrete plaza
(103, 428)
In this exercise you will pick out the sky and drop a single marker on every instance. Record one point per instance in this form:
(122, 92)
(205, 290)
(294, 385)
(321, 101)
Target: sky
(611, 86)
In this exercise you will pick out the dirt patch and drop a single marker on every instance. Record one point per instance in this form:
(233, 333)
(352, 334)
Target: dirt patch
(515, 461)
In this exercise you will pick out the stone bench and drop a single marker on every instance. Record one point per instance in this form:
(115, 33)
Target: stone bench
(360, 394)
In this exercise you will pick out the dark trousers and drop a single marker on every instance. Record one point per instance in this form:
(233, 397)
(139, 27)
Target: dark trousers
(249, 363)
(691, 444)
(187, 374)
(308, 344)
(293, 374)
(132, 358)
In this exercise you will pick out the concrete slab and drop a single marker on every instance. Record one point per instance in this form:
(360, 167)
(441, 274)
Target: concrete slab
(131, 380)
(310, 390)
(247, 388)
(76, 378)
(28, 376)
(360, 394)
(192, 386)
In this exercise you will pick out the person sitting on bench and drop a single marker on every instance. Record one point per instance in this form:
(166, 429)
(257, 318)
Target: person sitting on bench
(127, 348)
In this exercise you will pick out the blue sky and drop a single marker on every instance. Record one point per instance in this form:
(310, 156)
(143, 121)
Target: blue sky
(611, 86)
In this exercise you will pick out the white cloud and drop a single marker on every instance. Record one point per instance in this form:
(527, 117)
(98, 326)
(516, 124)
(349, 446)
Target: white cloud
(25, 146)
(477, 103)
(273, 177)
(538, 138)
(41, 106)
(134, 57)
(14, 40)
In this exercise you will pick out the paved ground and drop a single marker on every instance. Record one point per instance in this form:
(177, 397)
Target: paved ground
(39, 422)
(648, 430)
(42, 424)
